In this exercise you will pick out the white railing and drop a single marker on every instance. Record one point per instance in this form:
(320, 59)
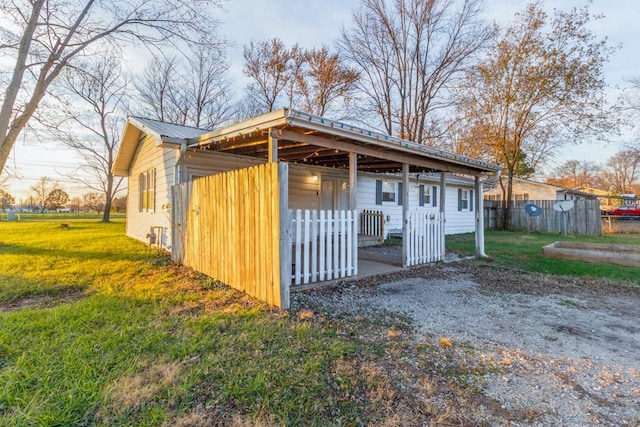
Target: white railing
(325, 245)
(426, 237)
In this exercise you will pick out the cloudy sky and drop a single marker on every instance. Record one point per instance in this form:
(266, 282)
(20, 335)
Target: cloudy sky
(312, 23)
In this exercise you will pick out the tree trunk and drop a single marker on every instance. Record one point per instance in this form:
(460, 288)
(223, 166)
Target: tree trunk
(108, 198)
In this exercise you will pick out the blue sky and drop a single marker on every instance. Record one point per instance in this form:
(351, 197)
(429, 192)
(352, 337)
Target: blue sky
(314, 23)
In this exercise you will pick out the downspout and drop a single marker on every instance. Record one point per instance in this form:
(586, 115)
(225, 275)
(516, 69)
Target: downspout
(480, 214)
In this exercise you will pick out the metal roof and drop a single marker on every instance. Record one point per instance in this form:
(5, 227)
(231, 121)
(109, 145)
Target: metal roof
(310, 139)
(167, 130)
(164, 133)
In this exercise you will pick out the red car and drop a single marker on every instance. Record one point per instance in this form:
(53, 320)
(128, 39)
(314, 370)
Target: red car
(627, 210)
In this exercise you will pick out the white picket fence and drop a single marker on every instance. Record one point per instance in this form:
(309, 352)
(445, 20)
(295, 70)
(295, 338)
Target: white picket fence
(426, 237)
(325, 245)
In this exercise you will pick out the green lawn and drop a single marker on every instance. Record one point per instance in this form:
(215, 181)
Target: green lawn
(98, 329)
(521, 250)
(95, 328)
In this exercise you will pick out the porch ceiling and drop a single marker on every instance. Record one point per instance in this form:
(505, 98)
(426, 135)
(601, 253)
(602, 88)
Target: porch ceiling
(307, 139)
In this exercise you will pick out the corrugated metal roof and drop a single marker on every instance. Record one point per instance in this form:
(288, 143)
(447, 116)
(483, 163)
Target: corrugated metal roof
(170, 130)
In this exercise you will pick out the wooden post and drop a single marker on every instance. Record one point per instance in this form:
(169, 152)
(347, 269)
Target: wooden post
(272, 146)
(405, 215)
(285, 235)
(353, 181)
(443, 202)
(479, 218)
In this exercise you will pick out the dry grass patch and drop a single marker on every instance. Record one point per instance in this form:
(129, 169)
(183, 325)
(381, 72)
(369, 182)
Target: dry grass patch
(131, 392)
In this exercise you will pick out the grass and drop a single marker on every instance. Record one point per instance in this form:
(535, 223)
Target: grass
(521, 250)
(95, 328)
(98, 329)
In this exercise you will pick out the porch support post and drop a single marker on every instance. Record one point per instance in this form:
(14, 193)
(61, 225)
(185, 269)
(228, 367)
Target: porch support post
(479, 218)
(353, 181)
(443, 202)
(405, 215)
(272, 146)
(285, 235)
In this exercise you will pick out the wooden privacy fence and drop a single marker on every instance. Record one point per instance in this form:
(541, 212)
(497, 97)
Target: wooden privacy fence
(584, 218)
(426, 237)
(228, 226)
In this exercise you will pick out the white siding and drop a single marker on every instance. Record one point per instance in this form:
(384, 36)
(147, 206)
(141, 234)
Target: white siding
(164, 161)
(456, 221)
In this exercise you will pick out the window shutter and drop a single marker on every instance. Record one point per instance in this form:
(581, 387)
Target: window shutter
(434, 196)
(459, 199)
(421, 195)
(378, 191)
(400, 193)
(471, 200)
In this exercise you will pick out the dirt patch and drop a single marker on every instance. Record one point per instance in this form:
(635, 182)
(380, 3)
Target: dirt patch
(524, 348)
(64, 296)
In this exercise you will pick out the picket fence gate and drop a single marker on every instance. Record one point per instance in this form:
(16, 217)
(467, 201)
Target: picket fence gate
(426, 237)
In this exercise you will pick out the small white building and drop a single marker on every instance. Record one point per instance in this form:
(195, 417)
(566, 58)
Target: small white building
(322, 167)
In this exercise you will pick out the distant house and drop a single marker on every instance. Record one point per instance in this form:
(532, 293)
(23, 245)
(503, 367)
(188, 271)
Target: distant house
(531, 190)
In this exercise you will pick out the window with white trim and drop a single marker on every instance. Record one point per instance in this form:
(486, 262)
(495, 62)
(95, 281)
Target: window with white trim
(147, 190)
(427, 195)
(388, 191)
(464, 199)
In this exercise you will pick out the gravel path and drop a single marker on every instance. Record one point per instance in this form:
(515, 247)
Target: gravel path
(570, 350)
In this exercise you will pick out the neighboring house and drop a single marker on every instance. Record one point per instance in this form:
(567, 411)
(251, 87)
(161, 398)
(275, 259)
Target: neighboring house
(531, 190)
(595, 191)
(320, 164)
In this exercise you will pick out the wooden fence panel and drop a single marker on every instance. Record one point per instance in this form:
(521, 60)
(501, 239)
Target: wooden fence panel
(584, 218)
(232, 229)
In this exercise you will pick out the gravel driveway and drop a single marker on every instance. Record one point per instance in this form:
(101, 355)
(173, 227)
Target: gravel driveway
(568, 350)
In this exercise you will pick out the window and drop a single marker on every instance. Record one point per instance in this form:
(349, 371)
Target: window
(493, 197)
(464, 199)
(147, 190)
(523, 196)
(388, 191)
(427, 196)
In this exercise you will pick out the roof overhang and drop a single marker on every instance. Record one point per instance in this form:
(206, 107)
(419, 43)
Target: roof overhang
(309, 139)
(134, 130)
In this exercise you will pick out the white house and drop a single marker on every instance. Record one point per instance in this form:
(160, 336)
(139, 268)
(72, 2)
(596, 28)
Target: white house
(322, 165)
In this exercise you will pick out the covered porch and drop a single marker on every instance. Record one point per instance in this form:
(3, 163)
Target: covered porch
(319, 244)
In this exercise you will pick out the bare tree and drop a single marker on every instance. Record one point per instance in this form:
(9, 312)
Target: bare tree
(540, 86)
(272, 68)
(156, 90)
(42, 37)
(93, 115)
(43, 190)
(94, 202)
(575, 173)
(622, 171)
(323, 80)
(408, 52)
(192, 89)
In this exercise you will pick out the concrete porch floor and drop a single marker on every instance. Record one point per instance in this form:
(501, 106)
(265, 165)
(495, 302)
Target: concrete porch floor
(369, 264)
